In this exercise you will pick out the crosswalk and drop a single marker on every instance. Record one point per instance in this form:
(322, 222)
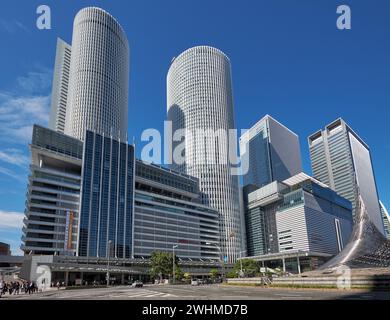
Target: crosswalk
(125, 294)
(128, 294)
(142, 293)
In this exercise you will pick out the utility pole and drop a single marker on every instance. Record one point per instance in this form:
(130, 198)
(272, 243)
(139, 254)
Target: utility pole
(173, 263)
(220, 257)
(108, 262)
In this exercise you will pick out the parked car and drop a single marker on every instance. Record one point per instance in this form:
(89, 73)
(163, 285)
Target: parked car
(194, 282)
(137, 284)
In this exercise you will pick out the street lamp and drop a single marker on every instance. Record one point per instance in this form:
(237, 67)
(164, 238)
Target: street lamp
(108, 262)
(173, 263)
(241, 271)
(220, 257)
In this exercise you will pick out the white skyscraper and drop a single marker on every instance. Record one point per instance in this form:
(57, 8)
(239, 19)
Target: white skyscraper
(59, 95)
(99, 76)
(199, 96)
(342, 160)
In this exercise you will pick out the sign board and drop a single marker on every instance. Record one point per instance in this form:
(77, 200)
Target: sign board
(68, 230)
(263, 270)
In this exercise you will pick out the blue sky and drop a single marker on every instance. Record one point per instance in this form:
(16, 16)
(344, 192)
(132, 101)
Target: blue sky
(288, 60)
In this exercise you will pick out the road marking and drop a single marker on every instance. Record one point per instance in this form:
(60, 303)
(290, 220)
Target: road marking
(287, 295)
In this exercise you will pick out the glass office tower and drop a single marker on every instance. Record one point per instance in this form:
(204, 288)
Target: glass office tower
(168, 213)
(342, 160)
(106, 197)
(274, 152)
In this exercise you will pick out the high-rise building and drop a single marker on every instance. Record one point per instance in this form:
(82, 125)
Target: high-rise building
(297, 215)
(342, 160)
(168, 213)
(107, 197)
(52, 205)
(199, 98)
(273, 152)
(386, 219)
(59, 95)
(99, 76)
(5, 249)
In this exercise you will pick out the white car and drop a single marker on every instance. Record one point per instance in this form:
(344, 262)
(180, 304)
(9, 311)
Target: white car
(194, 282)
(137, 284)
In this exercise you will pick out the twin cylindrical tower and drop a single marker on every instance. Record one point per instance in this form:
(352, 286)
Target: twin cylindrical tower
(99, 76)
(200, 98)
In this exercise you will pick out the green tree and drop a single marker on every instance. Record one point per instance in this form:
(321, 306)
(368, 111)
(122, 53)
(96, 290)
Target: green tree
(178, 273)
(250, 268)
(187, 277)
(213, 274)
(162, 264)
(232, 274)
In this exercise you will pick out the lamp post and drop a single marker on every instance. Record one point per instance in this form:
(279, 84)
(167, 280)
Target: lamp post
(220, 257)
(173, 263)
(108, 262)
(241, 271)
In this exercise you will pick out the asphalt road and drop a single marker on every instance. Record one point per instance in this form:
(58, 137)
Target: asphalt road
(206, 292)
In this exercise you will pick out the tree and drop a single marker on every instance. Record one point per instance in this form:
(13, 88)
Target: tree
(187, 277)
(250, 267)
(162, 264)
(213, 274)
(232, 274)
(178, 273)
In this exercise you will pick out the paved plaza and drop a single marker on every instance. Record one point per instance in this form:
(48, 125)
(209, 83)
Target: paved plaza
(206, 292)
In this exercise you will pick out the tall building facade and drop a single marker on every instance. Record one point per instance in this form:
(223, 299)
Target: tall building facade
(99, 76)
(5, 249)
(168, 213)
(386, 219)
(342, 160)
(199, 97)
(52, 204)
(59, 95)
(297, 214)
(273, 152)
(107, 198)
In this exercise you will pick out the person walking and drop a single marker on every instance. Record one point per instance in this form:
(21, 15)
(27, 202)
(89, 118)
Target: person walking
(1, 287)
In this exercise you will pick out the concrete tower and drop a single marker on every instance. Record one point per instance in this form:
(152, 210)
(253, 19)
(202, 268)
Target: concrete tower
(59, 95)
(99, 76)
(199, 97)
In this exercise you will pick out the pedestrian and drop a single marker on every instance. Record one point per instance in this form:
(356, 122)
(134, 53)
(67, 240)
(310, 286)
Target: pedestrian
(1, 287)
(58, 285)
(17, 288)
(29, 287)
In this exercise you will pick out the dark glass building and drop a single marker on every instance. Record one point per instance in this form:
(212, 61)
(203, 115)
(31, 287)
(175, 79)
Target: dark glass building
(273, 152)
(106, 210)
(168, 213)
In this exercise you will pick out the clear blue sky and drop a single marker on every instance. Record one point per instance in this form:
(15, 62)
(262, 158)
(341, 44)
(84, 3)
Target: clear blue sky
(288, 60)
